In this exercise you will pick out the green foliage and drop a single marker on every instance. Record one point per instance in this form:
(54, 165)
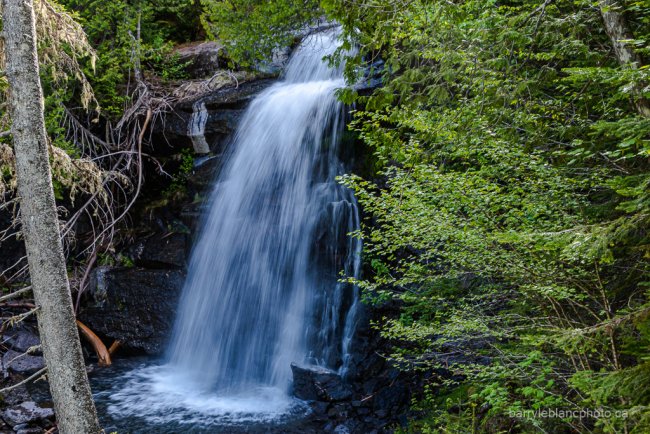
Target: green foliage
(112, 259)
(251, 29)
(510, 210)
(178, 186)
(112, 27)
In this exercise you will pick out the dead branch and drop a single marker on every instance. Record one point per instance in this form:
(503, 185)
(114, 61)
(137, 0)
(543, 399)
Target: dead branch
(18, 305)
(15, 294)
(114, 347)
(29, 379)
(30, 350)
(18, 319)
(100, 349)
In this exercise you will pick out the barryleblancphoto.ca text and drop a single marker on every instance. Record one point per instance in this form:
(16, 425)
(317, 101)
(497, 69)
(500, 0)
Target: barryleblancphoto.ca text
(564, 413)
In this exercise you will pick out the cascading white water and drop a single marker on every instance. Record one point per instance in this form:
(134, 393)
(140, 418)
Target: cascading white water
(263, 286)
(254, 280)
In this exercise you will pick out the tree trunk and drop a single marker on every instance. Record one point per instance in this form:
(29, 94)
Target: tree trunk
(618, 32)
(73, 403)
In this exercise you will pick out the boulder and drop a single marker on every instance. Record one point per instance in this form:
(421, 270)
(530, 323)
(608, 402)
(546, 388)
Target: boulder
(339, 412)
(133, 305)
(204, 57)
(17, 394)
(22, 339)
(315, 383)
(25, 413)
(22, 363)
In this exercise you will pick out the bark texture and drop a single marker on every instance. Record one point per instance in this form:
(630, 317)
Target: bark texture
(67, 376)
(618, 32)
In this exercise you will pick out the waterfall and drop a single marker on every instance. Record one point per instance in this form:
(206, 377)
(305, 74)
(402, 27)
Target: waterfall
(263, 287)
(257, 276)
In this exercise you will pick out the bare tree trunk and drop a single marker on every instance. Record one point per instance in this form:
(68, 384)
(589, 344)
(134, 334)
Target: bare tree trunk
(618, 31)
(67, 376)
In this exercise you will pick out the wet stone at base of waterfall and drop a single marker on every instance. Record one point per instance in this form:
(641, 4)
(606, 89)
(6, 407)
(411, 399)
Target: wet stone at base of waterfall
(318, 383)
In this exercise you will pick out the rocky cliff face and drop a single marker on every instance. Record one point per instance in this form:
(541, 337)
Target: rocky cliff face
(219, 112)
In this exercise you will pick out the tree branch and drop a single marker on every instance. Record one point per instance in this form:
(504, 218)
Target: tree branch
(25, 381)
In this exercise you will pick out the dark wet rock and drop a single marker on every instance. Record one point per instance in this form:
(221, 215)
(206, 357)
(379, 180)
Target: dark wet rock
(26, 413)
(235, 97)
(204, 58)
(133, 305)
(160, 251)
(318, 383)
(220, 124)
(17, 395)
(381, 413)
(373, 364)
(362, 411)
(204, 173)
(339, 412)
(319, 411)
(224, 107)
(370, 386)
(192, 213)
(378, 396)
(22, 363)
(390, 400)
(21, 339)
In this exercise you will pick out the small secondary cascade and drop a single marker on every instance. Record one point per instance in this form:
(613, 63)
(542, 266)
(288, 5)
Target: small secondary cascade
(196, 128)
(263, 287)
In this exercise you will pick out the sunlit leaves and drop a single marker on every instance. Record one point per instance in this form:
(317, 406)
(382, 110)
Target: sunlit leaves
(511, 193)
